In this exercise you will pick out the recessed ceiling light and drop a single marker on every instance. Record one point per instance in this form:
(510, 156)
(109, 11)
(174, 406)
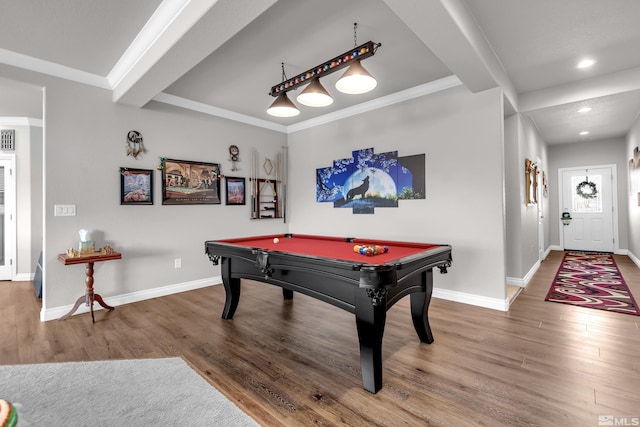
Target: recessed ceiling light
(586, 63)
(584, 109)
(584, 132)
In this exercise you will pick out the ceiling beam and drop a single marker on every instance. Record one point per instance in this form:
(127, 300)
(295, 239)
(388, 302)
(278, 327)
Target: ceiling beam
(449, 30)
(196, 30)
(582, 90)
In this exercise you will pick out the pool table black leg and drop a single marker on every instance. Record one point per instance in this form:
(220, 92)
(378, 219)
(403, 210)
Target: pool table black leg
(287, 293)
(232, 289)
(370, 321)
(420, 308)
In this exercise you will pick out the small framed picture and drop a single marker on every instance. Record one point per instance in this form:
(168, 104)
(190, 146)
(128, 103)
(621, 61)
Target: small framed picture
(235, 191)
(136, 186)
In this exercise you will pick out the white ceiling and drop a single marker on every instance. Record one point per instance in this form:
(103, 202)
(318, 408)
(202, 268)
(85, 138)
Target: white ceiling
(221, 57)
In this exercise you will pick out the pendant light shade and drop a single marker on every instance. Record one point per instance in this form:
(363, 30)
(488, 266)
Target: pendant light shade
(315, 95)
(356, 80)
(283, 107)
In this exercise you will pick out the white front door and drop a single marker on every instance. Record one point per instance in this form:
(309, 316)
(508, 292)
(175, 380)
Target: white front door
(7, 218)
(587, 194)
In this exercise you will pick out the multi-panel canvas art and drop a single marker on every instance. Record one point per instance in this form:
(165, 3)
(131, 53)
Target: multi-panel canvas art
(368, 180)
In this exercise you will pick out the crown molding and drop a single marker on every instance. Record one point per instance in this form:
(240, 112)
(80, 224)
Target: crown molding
(200, 107)
(52, 69)
(20, 121)
(68, 73)
(404, 95)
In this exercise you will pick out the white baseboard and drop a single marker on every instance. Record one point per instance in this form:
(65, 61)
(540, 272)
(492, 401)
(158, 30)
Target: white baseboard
(58, 312)
(634, 258)
(477, 300)
(527, 277)
(560, 248)
(24, 277)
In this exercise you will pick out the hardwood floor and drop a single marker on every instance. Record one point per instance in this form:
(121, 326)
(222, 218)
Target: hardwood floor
(297, 363)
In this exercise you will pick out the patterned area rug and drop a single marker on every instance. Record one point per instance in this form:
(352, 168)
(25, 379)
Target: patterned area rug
(592, 280)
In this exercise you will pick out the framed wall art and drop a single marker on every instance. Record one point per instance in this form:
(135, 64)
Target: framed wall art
(136, 186)
(531, 181)
(235, 191)
(369, 180)
(190, 183)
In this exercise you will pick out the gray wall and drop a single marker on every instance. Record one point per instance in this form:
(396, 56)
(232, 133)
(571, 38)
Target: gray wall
(36, 152)
(84, 147)
(28, 199)
(84, 137)
(461, 135)
(590, 153)
(19, 99)
(522, 141)
(633, 210)
(514, 199)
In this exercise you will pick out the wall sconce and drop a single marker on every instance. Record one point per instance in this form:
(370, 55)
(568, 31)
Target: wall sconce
(355, 80)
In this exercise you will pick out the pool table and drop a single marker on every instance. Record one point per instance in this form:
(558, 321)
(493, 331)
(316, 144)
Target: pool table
(330, 270)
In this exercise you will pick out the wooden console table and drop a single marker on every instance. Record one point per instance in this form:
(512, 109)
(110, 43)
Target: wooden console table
(89, 297)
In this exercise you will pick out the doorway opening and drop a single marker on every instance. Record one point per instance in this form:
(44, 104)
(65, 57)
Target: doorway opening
(588, 205)
(7, 217)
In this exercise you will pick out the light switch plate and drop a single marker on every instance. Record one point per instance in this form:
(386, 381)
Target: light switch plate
(64, 210)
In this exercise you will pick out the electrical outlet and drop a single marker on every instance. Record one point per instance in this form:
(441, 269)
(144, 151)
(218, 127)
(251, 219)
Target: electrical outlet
(177, 263)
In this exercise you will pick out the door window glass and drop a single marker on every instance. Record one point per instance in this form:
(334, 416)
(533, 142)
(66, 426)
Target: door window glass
(586, 196)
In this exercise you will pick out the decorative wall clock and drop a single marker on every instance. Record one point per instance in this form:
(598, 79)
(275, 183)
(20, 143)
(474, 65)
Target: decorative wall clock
(235, 153)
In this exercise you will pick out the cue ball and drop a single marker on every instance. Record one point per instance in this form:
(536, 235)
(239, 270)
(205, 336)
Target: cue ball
(276, 240)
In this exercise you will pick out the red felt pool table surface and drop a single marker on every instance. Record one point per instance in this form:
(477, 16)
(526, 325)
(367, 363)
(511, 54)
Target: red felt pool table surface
(340, 248)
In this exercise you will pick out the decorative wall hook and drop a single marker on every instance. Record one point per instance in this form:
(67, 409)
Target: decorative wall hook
(234, 154)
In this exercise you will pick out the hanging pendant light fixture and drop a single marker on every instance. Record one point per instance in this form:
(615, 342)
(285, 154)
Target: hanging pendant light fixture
(315, 95)
(282, 106)
(356, 79)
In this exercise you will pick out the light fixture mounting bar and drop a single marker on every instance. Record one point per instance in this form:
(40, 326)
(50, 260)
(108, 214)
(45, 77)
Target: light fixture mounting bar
(357, 53)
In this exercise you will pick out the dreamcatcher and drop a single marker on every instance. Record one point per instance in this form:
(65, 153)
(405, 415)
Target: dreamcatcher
(134, 145)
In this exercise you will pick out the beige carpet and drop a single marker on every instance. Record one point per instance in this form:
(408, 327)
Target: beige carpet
(151, 392)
